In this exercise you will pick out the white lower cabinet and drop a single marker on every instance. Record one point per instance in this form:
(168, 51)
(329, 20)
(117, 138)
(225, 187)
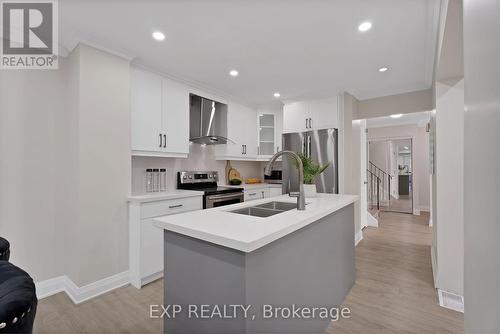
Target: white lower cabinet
(275, 191)
(253, 194)
(146, 240)
(260, 193)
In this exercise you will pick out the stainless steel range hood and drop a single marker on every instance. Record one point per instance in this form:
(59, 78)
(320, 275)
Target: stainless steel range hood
(207, 121)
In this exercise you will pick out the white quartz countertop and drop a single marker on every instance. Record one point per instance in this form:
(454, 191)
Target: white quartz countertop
(160, 196)
(255, 186)
(248, 233)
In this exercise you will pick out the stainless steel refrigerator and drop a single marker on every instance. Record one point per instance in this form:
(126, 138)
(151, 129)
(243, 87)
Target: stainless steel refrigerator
(322, 147)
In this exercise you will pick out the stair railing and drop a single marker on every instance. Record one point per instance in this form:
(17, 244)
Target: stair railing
(373, 190)
(385, 179)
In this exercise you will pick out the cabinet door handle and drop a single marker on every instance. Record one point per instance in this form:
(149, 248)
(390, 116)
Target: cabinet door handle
(164, 140)
(242, 149)
(175, 206)
(161, 144)
(306, 124)
(252, 194)
(310, 123)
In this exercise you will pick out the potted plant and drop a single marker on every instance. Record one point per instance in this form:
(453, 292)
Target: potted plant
(311, 171)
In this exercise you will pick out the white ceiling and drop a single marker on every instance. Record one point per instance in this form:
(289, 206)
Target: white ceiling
(303, 49)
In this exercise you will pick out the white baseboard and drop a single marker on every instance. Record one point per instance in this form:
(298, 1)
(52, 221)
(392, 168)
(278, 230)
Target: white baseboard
(425, 208)
(50, 287)
(430, 222)
(358, 237)
(80, 294)
(416, 211)
(151, 278)
(372, 221)
(434, 266)
(451, 300)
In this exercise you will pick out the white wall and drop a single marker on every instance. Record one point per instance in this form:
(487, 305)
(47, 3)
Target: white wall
(421, 168)
(201, 158)
(482, 163)
(379, 154)
(448, 219)
(65, 171)
(30, 103)
(349, 174)
(98, 228)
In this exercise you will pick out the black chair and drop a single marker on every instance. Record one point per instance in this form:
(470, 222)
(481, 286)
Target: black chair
(4, 249)
(18, 300)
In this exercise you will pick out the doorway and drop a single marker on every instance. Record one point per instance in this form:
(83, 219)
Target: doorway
(390, 162)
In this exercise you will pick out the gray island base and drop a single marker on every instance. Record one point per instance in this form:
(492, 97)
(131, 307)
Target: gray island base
(311, 267)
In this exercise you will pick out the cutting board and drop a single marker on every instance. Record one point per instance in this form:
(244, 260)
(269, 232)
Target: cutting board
(231, 173)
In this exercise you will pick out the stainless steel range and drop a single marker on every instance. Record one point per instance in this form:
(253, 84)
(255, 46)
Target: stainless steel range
(207, 182)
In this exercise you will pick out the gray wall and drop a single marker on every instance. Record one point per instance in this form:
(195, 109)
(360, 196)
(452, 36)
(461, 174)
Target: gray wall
(404, 103)
(482, 163)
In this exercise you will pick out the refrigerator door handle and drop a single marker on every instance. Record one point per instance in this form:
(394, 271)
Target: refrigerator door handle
(309, 146)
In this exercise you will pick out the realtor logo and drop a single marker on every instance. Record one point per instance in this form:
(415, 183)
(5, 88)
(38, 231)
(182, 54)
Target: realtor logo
(29, 34)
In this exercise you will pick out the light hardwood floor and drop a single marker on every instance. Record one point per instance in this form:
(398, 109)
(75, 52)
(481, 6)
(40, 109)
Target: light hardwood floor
(393, 292)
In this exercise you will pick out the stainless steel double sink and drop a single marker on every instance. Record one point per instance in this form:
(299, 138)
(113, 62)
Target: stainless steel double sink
(266, 209)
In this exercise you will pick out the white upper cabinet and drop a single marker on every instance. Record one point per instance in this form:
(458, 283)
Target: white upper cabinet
(159, 116)
(311, 115)
(269, 132)
(324, 113)
(242, 134)
(295, 117)
(176, 117)
(146, 110)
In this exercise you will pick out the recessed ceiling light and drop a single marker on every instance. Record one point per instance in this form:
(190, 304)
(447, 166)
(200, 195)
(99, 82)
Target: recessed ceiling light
(276, 94)
(158, 35)
(383, 69)
(233, 73)
(396, 115)
(365, 26)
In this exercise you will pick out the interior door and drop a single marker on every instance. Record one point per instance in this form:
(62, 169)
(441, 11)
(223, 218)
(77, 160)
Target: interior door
(363, 167)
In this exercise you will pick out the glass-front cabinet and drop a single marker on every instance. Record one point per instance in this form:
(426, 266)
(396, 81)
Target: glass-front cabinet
(267, 134)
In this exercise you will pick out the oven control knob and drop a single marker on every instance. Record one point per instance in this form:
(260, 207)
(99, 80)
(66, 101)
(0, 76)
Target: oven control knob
(190, 177)
(210, 176)
(184, 177)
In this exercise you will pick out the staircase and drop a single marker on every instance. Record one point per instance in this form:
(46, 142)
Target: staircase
(378, 189)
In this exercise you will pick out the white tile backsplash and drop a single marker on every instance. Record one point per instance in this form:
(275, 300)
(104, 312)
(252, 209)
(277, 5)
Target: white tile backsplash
(201, 158)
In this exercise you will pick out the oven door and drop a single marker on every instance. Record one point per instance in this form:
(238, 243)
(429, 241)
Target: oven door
(213, 201)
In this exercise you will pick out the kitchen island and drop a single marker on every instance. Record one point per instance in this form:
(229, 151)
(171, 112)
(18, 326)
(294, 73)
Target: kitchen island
(235, 272)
